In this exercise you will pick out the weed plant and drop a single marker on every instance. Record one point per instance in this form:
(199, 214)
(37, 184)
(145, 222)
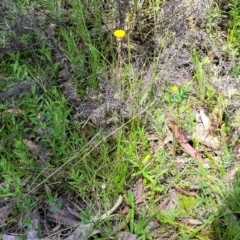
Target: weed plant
(234, 25)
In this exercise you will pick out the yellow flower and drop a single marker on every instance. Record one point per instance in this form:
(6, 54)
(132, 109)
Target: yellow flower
(175, 88)
(119, 34)
(146, 158)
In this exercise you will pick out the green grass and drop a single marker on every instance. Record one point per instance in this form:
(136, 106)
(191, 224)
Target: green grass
(234, 26)
(226, 223)
(48, 155)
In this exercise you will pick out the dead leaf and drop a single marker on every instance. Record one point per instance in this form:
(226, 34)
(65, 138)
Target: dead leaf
(35, 215)
(16, 111)
(126, 236)
(139, 194)
(154, 224)
(13, 110)
(4, 212)
(168, 203)
(182, 139)
(139, 189)
(180, 136)
(123, 224)
(191, 221)
(185, 192)
(31, 145)
(82, 232)
(63, 216)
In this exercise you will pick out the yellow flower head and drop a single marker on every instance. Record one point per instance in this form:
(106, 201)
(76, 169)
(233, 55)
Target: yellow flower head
(146, 158)
(175, 88)
(119, 33)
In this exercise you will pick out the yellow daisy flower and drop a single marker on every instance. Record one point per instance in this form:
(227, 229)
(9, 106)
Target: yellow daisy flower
(175, 88)
(146, 158)
(119, 33)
